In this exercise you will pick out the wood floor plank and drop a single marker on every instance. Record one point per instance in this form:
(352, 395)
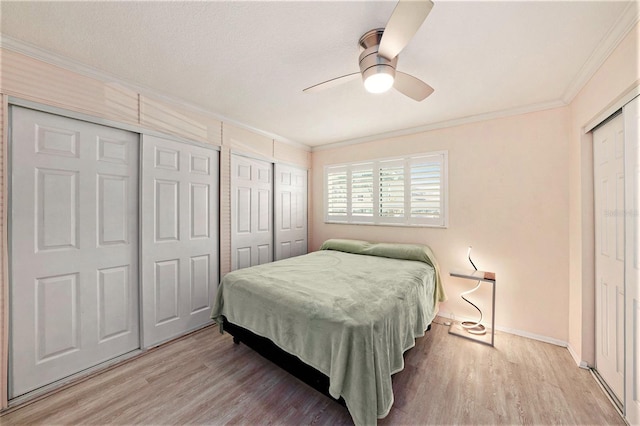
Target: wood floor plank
(206, 379)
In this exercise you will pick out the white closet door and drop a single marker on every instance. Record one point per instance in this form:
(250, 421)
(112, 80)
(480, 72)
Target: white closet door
(74, 247)
(632, 271)
(608, 147)
(251, 212)
(179, 237)
(290, 211)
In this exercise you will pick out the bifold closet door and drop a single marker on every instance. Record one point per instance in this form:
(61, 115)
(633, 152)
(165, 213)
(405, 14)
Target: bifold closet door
(290, 211)
(74, 247)
(179, 237)
(251, 212)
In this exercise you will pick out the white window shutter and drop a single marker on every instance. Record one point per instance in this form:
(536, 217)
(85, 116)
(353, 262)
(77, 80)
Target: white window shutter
(336, 187)
(362, 192)
(410, 191)
(392, 193)
(427, 190)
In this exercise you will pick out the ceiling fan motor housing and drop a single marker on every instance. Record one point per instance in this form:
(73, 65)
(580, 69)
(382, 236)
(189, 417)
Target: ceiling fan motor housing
(370, 62)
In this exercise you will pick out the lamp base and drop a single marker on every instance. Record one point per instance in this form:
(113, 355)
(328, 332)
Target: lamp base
(474, 328)
(457, 329)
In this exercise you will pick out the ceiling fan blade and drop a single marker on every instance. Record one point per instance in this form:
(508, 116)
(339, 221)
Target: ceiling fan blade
(412, 87)
(402, 26)
(331, 83)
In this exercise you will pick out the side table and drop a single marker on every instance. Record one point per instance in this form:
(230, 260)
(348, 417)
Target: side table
(456, 328)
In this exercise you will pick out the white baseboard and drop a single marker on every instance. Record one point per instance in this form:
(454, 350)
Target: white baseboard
(580, 363)
(514, 331)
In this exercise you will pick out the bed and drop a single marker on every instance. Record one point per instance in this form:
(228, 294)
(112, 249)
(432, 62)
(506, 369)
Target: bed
(349, 311)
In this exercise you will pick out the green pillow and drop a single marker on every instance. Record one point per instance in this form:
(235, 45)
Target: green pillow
(417, 252)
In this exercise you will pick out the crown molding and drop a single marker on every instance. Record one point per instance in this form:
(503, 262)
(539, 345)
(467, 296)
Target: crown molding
(615, 105)
(445, 124)
(618, 31)
(58, 60)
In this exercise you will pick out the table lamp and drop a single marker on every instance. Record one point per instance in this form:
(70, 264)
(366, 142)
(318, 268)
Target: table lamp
(473, 327)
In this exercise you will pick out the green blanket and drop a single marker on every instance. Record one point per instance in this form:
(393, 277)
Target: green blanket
(349, 316)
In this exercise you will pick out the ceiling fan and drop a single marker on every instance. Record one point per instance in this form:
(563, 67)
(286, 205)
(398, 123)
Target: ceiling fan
(379, 51)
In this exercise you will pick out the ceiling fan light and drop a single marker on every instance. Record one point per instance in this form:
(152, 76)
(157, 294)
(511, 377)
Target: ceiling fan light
(378, 82)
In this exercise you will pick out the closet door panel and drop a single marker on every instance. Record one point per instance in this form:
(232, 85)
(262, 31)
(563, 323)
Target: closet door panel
(74, 247)
(251, 212)
(631, 113)
(290, 211)
(180, 237)
(609, 258)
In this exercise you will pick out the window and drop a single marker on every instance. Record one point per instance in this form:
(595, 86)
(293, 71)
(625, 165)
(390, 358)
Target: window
(410, 191)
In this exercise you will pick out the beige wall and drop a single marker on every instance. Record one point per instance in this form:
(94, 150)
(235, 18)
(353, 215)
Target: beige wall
(619, 74)
(509, 199)
(33, 80)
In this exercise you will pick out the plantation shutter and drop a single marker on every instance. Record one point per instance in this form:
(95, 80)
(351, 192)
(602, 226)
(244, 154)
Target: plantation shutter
(427, 189)
(410, 191)
(362, 192)
(337, 195)
(392, 191)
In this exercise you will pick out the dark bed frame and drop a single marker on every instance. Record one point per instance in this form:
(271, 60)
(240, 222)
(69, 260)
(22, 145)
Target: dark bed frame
(290, 363)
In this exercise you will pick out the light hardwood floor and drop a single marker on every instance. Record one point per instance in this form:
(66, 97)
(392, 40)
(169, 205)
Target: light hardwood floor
(206, 379)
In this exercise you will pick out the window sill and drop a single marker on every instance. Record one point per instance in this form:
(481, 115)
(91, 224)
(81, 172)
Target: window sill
(395, 225)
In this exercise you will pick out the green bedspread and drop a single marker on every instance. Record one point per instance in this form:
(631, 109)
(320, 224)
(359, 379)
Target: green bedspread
(350, 316)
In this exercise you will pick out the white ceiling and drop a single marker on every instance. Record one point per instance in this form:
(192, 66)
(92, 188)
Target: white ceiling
(249, 61)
